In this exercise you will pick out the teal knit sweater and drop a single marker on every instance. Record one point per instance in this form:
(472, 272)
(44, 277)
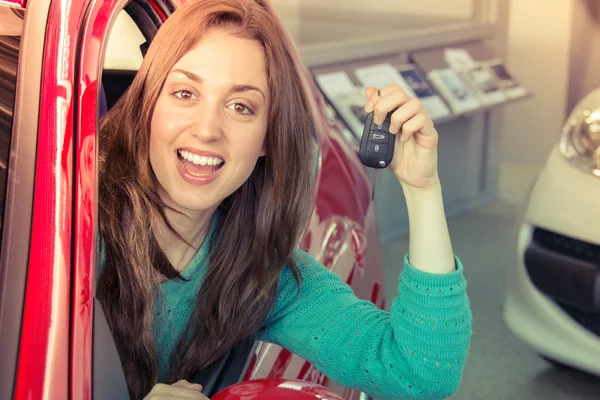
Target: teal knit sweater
(417, 350)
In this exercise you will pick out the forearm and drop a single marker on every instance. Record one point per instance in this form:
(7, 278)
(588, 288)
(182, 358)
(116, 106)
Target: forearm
(430, 249)
(417, 350)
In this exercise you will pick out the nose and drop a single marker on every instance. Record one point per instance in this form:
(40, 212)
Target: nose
(208, 124)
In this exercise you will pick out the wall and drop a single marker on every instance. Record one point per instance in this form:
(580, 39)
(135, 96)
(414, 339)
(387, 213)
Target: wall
(290, 14)
(539, 38)
(432, 8)
(585, 51)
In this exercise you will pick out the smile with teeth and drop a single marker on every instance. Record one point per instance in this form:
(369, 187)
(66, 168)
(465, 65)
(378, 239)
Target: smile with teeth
(198, 165)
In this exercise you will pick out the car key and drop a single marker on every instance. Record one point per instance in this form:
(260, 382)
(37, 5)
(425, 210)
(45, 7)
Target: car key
(377, 143)
(376, 146)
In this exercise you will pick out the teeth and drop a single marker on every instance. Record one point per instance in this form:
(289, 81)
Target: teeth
(199, 160)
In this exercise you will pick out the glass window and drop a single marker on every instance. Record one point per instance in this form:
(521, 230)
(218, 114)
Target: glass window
(11, 24)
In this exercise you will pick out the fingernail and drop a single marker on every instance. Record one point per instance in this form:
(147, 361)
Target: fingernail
(369, 107)
(392, 129)
(376, 120)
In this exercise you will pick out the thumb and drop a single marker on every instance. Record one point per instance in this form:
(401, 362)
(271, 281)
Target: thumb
(188, 385)
(370, 91)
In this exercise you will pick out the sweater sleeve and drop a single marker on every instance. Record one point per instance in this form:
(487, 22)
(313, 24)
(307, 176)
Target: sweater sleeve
(417, 350)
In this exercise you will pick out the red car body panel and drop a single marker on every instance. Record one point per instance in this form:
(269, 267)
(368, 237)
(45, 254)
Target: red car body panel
(44, 352)
(94, 27)
(276, 389)
(55, 359)
(13, 3)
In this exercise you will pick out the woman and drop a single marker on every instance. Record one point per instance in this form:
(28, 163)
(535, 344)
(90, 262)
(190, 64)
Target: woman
(205, 187)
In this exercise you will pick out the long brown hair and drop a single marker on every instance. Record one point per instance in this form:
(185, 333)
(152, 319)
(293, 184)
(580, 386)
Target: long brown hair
(259, 224)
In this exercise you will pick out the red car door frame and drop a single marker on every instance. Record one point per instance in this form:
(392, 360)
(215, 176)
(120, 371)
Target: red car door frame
(56, 341)
(17, 224)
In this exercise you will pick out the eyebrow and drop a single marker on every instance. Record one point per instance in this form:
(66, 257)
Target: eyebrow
(235, 89)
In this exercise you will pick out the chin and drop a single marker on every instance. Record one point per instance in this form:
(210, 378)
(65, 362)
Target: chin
(197, 205)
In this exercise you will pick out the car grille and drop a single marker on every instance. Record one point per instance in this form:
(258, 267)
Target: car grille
(589, 320)
(580, 250)
(568, 246)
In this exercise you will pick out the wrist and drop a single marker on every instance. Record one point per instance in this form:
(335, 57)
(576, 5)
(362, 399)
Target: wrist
(433, 189)
(422, 201)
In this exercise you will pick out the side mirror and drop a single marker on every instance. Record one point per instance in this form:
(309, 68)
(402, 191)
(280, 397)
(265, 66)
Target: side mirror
(275, 389)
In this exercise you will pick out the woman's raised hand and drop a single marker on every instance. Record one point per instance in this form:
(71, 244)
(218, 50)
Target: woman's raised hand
(415, 150)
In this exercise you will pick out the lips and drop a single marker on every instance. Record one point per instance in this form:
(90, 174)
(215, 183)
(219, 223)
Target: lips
(198, 167)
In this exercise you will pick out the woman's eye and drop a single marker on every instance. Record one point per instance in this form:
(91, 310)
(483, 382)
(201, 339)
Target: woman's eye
(242, 109)
(183, 94)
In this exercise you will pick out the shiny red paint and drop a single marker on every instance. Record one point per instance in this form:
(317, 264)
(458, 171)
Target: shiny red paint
(43, 368)
(276, 389)
(158, 10)
(13, 3)
(278, 369)
(93, 29)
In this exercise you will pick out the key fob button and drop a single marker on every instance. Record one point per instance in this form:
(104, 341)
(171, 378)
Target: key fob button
(385, 127)
(378, 137)
(376, 147)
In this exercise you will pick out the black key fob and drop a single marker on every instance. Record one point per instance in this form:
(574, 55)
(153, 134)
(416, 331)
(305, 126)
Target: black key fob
(377, 143)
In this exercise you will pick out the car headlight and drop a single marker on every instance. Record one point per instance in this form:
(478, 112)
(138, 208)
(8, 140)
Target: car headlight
(580, 139)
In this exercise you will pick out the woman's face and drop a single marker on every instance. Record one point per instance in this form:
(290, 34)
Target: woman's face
(210, 121)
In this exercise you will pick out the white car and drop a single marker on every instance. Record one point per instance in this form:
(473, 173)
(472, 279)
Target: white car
(553, 291)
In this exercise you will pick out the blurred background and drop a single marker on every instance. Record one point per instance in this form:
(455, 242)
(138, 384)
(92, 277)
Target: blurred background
(490, 159)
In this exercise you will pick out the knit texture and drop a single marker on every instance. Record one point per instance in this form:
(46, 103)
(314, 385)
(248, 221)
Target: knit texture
(417, 350)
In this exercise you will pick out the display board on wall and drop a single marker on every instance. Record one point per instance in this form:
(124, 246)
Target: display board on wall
(469, 76)
(449, 81)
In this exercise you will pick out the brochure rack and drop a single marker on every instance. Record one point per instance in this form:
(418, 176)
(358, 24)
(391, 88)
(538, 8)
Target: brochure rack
(456, 69)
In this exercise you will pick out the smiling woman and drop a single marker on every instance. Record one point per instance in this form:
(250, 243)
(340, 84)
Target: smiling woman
(205, 187)
(213, 107)
(156, 208)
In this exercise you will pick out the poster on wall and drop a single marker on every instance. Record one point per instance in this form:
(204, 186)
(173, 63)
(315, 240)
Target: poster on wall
(347, 99)
(380, 75)
(454, 90)
(476, 75)
(435, 106)
(410, 81)
(506, 82)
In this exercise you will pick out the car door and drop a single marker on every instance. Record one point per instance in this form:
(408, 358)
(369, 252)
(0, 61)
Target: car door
(96, 369)
(22, 49)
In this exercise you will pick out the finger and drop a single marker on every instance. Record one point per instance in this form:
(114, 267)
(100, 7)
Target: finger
(186, 384)
(388, 103)
(412, 126)
(403, 114)
(372, 98)
(394, 87)
(180, 390)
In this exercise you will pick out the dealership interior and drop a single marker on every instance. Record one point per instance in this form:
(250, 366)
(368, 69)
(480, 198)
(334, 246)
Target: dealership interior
(497, 159)
(513, 90)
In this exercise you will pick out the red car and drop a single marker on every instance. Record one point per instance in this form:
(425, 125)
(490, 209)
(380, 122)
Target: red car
(63, 63)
